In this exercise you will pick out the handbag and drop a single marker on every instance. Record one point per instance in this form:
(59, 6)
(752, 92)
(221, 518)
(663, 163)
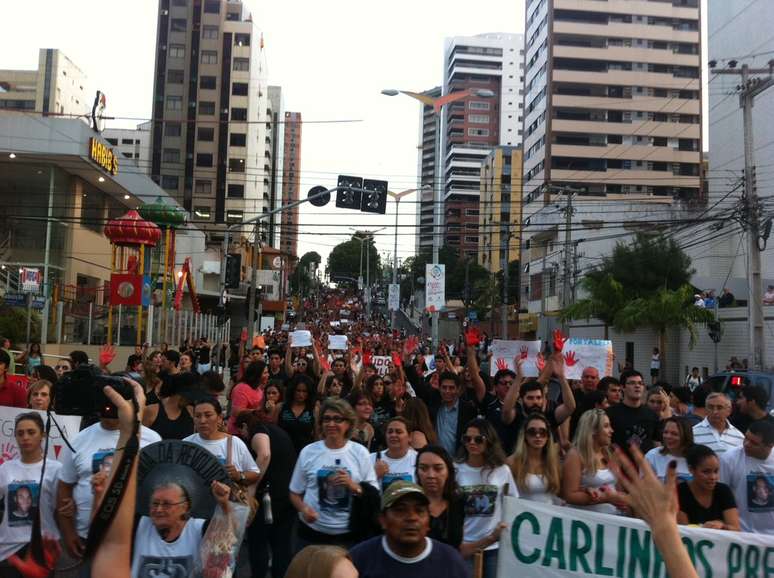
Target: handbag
(239, 493)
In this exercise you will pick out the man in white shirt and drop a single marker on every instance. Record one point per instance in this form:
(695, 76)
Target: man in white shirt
(715, 431)
(749, 471)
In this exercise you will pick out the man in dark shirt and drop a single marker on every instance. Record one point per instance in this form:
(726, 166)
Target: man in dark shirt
(405, 550)
(751, 406)
(276, 369)
(631, 420)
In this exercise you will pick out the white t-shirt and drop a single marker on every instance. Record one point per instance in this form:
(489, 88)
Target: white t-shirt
(20, 487)
(660, 462)
(482, 491)
(94, 448)
(153, 556)
(537, 490)
(240, 455)
(316, 463)
(400, 469)
(752, 482)
(600, 479)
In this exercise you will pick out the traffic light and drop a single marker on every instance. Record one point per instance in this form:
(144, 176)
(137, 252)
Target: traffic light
(374, 197)
(233, 270)
(349, 198)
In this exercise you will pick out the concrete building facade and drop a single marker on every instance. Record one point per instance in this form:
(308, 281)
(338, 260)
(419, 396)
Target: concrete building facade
(133, 144)
(275, 142)
(291, 184)
(426, 171)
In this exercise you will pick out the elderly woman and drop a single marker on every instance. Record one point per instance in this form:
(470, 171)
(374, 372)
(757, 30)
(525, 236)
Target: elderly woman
(330, 476)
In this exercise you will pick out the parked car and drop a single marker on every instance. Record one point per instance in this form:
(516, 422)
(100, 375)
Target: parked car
(731, 383)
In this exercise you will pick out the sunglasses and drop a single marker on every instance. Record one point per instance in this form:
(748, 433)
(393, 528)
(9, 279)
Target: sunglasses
(478, 440)
(536, 432)
(337, 419)
(67, 367)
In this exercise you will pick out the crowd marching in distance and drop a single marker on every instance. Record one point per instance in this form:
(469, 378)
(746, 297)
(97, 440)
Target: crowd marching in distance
(395, 469)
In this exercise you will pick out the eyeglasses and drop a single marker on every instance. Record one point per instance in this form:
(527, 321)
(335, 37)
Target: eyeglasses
(337, 419)
(478, 440)
(165, 505)
(536, 432)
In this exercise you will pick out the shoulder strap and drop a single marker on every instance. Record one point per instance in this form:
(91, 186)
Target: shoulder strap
(229, 445)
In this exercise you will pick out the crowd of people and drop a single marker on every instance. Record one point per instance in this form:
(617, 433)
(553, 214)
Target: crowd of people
(385, 456)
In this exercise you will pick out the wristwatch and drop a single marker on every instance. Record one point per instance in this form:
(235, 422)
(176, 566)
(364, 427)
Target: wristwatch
(242, 477)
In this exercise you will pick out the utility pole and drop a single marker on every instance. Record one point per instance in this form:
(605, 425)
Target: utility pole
(504, 254)
(368, 276)
(256, 260)
(748, 90)
(568, 251)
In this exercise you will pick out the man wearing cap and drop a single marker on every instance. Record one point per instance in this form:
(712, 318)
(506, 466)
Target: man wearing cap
(405, 550)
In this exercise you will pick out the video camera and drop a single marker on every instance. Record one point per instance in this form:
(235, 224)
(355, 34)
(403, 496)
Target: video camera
(80, 392)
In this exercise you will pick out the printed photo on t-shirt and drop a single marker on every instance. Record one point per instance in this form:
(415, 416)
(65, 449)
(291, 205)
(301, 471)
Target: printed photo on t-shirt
(21, 497)
(480, 500)
(102, 461)
(331, 497)
(760, 492)
(393, 477)
(161, 567)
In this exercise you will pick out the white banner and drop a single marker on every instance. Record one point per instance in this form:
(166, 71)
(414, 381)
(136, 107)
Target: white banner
(267, 323)
(301, 338)
(70, 425)
(382, 363)
(561, 542)
(337, 342)
(435, 287)
(504, 353)
(393, 297)
(582, 353)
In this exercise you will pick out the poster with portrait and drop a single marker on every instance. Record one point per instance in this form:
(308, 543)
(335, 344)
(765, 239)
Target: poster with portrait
(102, 461)
(330, 496)
(760, 492)
(480, 500)
(21, 497)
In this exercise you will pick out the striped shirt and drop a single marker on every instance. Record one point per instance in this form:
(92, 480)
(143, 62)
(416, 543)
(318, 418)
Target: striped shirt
(706, 435)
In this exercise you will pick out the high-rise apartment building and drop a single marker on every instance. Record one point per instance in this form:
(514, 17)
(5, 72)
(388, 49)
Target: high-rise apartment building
(275, 142)
(612, 114)
(57, 87)
(474, 125)
(208, 145)
(291, 183)
(426, 164)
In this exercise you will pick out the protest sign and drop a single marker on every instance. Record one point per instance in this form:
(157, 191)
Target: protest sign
(382, 363)
(582, 353)
(301, 338)
(435, 287)
(561, 542)
(393, 298)
(430, 363)
(505, 351)
(9, 450)
(337, 342)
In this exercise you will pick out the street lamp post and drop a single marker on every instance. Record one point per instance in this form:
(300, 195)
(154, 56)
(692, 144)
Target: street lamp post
(397, 197)
(364, 237)
(438, 104)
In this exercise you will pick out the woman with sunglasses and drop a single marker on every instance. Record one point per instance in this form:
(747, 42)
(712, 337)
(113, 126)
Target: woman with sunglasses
(587, 480)
(62, 366)
(329, 477)
(535, 461)
(484, 478)
(435, 473)
(296, 413)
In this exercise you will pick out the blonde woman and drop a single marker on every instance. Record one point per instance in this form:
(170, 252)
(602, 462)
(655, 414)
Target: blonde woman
(535, 462)
(322, 562)
(587, 480)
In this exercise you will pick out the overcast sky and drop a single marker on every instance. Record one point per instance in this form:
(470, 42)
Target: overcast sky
(331, 58)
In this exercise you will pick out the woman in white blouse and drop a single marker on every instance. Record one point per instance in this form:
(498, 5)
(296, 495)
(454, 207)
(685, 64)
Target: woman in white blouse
(535, 461)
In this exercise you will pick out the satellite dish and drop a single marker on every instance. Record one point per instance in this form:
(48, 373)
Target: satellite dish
(320, 201)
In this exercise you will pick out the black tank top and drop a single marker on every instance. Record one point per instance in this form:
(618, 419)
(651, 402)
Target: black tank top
(170, 429)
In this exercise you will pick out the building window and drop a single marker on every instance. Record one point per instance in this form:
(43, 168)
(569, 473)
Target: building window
(202, 214)
(236, 165)
(113, 141)
(176, 51)
(178, 25)
(241, 64)
(478, 132)
(204, 159)
(236, 191)
(203, 187)
(170, 182)
(205, 133)
(172, 129)
(171, 156)
(209, 57)
(206, 107)
(238, 114)
(127, 141)
(234, 216)
(212, 6)
(237, 139)
(210, 32)
(174, 103)
(239, 89)
(478, 118)
(175, 76)
(208, 82)
(241, 39)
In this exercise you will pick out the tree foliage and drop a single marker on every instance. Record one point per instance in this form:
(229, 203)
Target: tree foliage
(300, 277)
(344, 260)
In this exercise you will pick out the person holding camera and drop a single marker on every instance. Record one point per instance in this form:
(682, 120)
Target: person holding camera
(94, 448)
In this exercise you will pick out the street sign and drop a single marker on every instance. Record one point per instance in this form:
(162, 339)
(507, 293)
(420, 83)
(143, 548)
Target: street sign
(435, 289)
(472, 314)
(20, 300)
(393, 297)
(30, 279)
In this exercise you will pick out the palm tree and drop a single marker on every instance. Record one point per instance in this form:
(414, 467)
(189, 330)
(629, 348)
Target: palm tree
(605, 299)
(662, 311)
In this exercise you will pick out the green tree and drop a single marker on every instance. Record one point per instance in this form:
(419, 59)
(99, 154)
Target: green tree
(344, 260)
(300, 278)
(605, 298)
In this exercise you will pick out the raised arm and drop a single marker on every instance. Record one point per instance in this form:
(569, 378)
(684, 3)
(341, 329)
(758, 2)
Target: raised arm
(567, 408)
(508, 413)
(289, 369)
(475, 373)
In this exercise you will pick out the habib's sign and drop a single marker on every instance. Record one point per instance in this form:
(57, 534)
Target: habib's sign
(103, 156)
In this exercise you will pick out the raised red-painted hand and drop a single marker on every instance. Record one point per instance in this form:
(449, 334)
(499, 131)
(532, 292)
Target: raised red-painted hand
(472, 337)
(523, 352)
(501, 364)
(570, 359)
(559, 340)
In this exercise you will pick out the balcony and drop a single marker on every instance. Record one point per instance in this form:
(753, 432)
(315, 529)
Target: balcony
(650, 128)
(626, 54)
(623, 30)
(627, 78)
(628, 7)
(645, 103)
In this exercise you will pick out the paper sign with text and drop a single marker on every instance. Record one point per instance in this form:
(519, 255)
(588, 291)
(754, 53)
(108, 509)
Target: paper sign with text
(70, 425)
(337, 342)
(504, 353)
(582, 353)
(382, 364)
(301, 338)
